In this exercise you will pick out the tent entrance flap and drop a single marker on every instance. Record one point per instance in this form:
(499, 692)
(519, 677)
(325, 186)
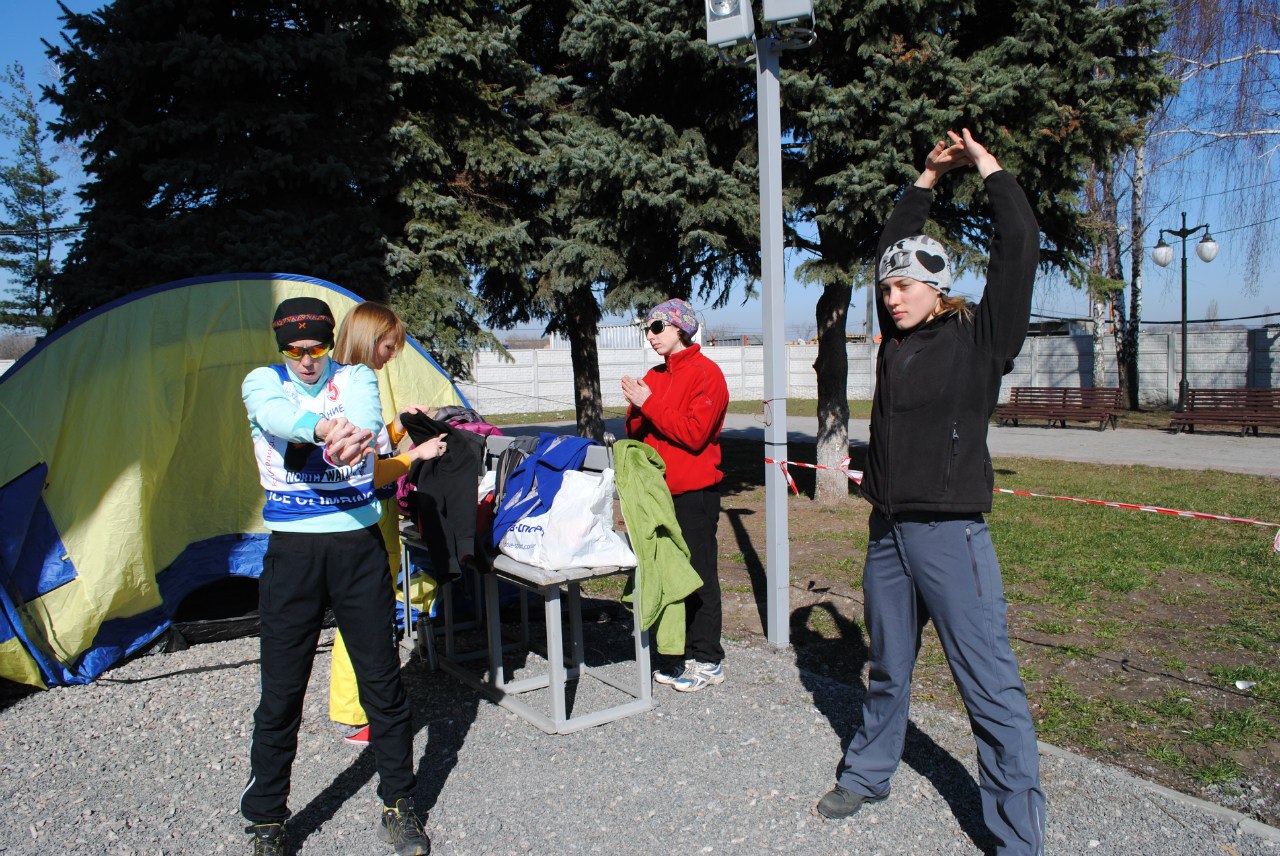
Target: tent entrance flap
(33, 560)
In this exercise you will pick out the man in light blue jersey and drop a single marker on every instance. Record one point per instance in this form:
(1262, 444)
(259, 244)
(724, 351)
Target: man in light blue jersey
(311, 421)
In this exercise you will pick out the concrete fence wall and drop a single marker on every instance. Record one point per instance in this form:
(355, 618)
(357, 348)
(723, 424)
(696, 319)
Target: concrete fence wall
(541, 380)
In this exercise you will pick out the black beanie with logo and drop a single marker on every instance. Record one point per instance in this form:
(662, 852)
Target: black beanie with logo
(301, 318)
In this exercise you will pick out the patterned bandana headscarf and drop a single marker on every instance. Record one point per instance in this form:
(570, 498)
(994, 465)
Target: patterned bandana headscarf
(920, 258)
(675, 312)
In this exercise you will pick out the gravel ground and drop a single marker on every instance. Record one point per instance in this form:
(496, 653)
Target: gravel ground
(151, 759)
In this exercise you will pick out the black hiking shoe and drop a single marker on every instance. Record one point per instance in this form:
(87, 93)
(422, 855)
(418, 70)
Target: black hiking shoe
(402, 829)
(840, 803)
(268, 839)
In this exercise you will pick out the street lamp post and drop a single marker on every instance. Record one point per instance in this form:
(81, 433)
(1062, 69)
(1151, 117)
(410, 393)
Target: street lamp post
(730, 22)
(1207, 250)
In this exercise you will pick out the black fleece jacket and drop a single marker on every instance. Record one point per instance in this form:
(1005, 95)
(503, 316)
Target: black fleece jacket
(937, 385)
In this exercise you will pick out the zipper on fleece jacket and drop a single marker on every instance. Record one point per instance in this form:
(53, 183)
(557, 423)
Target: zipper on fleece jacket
(955, 450)
(888, 432)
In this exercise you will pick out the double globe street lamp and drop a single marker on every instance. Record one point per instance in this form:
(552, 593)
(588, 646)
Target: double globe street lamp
(1162, 255)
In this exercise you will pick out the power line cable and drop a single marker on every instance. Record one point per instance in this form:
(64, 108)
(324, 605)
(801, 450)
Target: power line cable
(1229, 231)
(1235, 190)
(29, 233)
(1250, 226)
(1216, 320)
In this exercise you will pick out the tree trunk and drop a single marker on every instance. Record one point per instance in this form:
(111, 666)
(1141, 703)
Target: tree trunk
(1097, 308)
(1115, 273)
(832, 368)
(1138, 229)
(1098, 311)
(581, 314)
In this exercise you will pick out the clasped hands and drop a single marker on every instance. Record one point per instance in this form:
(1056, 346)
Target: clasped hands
(636, 392)
(958, 150)
(346, 444)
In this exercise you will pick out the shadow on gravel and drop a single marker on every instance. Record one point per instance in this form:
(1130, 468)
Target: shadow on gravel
(219, 667)
(750, 558)
(831, 669)
(447, 709)
(324, 805)
(442, 706)
(12, 692)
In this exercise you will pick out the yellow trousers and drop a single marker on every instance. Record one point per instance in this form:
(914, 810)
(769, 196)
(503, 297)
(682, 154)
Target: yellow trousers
(344, 695)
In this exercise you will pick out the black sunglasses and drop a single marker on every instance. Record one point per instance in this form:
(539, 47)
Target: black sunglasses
(656, 327)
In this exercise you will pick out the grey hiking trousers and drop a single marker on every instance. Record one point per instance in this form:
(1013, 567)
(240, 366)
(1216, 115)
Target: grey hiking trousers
(942, 567)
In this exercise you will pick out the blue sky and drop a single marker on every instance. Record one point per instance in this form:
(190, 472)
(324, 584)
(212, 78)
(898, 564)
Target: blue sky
(1204, 194)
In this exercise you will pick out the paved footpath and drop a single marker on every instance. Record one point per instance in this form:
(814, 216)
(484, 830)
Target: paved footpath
(1152, 448)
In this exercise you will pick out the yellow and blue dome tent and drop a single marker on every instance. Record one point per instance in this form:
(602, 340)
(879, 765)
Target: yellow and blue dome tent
(127, 477)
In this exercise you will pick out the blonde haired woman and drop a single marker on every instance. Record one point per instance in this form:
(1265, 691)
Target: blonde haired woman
(371, 334)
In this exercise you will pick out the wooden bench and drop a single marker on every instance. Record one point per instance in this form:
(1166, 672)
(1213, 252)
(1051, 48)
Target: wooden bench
(562, 586)
(1247, 408)
(1101, 404)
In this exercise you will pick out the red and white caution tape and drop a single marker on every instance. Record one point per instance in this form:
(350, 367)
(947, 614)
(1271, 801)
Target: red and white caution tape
(1174, 512)
(782, 465)
(856, 476)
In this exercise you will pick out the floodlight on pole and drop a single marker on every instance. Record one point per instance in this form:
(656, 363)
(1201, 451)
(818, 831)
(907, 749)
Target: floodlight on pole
(788, 11)
(729, 22)
(1162, 254)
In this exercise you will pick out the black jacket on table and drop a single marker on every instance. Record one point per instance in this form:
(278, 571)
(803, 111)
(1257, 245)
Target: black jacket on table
(937, 385)
(443, 503)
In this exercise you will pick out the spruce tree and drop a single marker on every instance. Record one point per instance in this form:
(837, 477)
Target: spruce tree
(227, 135)
(31, 199)
(463, 147)
(643, 187)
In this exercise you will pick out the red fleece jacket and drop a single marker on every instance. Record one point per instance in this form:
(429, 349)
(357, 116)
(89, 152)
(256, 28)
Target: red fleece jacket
(682, 418)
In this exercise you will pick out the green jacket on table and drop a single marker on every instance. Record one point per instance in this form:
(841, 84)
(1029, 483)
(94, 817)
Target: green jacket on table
(662, 558)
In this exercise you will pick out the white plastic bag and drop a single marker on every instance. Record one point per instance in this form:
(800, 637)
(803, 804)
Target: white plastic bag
(576, 532)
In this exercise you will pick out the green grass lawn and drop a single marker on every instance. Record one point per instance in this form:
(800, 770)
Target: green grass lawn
(1132, 627)
(1115, 551)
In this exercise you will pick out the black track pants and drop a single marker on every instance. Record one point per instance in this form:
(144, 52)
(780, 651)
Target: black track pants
(698, 513)
(302, 574)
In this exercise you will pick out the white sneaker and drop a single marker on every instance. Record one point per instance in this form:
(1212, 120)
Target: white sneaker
(671, 674)
(699, 676)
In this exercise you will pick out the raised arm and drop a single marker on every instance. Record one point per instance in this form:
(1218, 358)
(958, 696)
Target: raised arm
(271, 409)
(1002, 316)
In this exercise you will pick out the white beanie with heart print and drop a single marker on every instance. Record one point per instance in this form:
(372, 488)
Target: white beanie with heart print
(918, 257)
